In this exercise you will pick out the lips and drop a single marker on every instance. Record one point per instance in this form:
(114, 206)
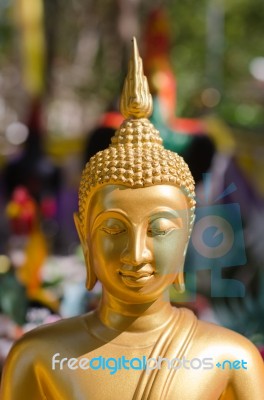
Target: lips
(137, 278)
(135, 275)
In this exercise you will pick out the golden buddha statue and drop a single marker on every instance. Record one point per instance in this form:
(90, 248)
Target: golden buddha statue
(136, 212)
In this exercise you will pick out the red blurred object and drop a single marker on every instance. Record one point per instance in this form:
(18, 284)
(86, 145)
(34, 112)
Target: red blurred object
(157, 62)
(22, 211)
(111, 119)
(48, 207)
(20, 195)
(188, 126)
(157, 35)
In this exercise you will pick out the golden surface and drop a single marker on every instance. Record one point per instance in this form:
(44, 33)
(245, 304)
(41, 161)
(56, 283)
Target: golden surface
(134, 238)
(136, 157)
(136, 101)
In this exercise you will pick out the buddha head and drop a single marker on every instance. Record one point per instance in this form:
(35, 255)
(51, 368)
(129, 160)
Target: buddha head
(136, 204)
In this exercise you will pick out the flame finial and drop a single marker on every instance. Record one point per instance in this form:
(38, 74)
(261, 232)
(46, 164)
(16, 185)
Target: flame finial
(136, 100)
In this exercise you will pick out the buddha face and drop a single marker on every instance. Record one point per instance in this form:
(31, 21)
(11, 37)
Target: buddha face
(137, 239)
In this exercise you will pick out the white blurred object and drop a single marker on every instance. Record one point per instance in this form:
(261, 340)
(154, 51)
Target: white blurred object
(256, 68)
(73, 299)
(70, 274)
(16, 133)
(5, 346)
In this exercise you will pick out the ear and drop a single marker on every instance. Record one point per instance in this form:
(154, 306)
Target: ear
(78, 226)
(179, 283)
(192, 221)
(91, 277)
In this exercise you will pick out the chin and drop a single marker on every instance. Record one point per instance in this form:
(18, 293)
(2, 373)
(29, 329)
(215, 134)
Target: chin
(140, 295)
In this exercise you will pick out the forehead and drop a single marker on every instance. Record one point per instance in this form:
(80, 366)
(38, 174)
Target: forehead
(137, 203)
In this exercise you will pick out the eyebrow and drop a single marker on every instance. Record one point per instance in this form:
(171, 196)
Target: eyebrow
(112, 210)
(103, 213)
(170, 213)
(158, 213)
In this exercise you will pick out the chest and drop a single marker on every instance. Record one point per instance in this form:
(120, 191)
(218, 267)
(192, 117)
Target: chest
(111, 372)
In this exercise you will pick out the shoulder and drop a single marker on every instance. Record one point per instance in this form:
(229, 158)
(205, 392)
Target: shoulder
(222, 342)
(230, 347)
(47, 333)
(237, 358)
(233, 356)
(49, 338)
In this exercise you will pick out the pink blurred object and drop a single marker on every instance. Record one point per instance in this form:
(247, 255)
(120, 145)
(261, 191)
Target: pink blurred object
(48, 207)
(261, 350)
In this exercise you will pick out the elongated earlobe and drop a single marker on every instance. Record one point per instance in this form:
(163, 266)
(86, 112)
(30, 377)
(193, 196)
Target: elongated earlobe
(179, 284)
(91, 278)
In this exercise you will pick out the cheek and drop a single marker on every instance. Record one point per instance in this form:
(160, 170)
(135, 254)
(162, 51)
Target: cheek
(169, 252)
(106, 248)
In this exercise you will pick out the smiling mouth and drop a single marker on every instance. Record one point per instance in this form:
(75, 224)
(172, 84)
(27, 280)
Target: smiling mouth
(135, 279)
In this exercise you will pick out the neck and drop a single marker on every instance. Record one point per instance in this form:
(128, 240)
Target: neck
(122, 316)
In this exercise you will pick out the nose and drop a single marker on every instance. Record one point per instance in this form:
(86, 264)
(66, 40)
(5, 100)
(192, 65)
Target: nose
(137, 252)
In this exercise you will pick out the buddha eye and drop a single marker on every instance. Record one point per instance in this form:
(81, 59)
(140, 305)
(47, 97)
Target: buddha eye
(158, 232)
(113, 227)
(113, 230)
(163, 226)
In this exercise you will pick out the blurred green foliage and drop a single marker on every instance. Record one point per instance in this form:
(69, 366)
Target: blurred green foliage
(243, 29)
(6, 28)
(196, 61)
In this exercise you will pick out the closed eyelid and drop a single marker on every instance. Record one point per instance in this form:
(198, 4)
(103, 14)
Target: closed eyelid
(103, 217)
(166, 223)
(113, 230)
(112, 223)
